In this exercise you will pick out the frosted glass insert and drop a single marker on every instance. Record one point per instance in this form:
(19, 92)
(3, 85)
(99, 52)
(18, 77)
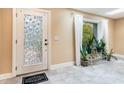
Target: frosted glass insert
(32, 40)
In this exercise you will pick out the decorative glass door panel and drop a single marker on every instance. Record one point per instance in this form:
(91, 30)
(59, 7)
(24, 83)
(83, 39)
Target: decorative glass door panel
(32, 40)
(32, 34)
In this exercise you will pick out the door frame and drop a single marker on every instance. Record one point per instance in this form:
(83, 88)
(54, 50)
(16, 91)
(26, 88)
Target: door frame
(14, 39)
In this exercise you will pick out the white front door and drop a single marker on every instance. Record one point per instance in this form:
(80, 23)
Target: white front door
(32, 40)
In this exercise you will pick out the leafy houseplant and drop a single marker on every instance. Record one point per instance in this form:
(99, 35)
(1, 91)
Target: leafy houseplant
(88, 37)
(101, 47)
(110, 55)
(89, 45)
(83, 52)
(87, 33)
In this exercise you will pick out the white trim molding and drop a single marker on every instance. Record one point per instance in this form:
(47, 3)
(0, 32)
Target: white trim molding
(91, 20)
(119, 56)
(14, 43)
(6, 76)
(56, 66)
(49, 40)
(78, 25)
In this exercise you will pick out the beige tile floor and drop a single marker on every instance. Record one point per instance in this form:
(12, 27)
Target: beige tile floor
(101, 73)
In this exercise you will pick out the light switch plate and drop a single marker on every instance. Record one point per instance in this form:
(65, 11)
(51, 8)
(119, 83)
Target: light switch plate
(56, 38)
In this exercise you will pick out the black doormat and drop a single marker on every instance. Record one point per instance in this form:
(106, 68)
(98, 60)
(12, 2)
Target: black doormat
(34, 79)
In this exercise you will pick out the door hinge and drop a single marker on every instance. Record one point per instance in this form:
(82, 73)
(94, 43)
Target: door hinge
(16, 41)
(16, 68)
(16, 15)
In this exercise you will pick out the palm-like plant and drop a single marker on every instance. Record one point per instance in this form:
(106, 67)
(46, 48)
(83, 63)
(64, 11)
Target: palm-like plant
(84, 61)
(89, 45)
(87, 39)
(110, 55)
(83, 52)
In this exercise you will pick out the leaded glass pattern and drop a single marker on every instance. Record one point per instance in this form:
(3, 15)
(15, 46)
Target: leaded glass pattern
(32, 40)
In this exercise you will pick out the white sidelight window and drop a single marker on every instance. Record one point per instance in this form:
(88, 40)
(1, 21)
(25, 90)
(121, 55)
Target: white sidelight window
(103, 32)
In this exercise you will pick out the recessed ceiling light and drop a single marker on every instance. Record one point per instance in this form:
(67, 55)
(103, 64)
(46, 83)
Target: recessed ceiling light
(117, 11)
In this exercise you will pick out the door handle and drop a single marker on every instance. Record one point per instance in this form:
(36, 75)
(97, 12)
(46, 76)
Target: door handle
(46, 44)
(45, 39)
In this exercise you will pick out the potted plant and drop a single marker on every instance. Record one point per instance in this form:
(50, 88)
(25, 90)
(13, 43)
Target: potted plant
(110, 55)
(84, 60)
(87, 39)
(100, 45)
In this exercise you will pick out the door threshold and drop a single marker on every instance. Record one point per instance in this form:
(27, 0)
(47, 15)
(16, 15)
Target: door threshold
(31, 73)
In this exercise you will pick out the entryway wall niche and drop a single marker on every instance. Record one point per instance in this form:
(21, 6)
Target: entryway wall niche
(102, 33)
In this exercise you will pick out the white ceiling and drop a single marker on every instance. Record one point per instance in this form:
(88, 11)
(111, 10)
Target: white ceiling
(102, 12)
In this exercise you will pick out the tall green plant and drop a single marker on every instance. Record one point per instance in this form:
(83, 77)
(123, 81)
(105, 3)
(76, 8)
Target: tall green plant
(83, 53)
(90, 45)
(88, 37)
(87, 33)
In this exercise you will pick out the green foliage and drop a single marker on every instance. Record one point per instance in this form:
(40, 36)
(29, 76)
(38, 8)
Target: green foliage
(110, 55)
(87, 33)
(89, 45)
(88, 37)
(83, 53)
(100, 45)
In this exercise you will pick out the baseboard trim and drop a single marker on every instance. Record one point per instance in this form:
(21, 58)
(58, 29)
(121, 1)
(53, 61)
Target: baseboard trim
(52, 67)
(56, 66)
(119, 56)
(6, 76)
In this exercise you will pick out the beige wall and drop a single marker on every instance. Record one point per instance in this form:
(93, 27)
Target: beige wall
(111, 34)
(5, 40)
(62, 26)
(119, 36)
